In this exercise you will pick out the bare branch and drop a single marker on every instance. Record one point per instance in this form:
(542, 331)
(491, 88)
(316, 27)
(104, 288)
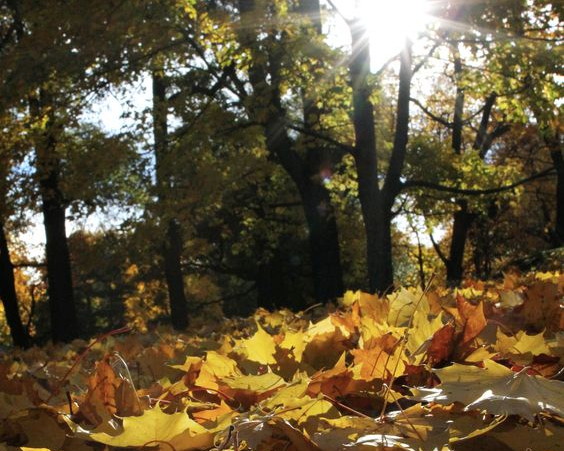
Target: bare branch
(346, 148)
(424, 60)
(438, 249)
(429, 113)
(475, 192)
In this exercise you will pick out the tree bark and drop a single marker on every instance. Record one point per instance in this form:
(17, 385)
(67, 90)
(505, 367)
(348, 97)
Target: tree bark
(455, 264)
(319, 212)
(64, 322)
(323, 242)
(267, 109)
(380, 271)
(174, 278)
(376, 204)
(457, 120)
(8, 294)
(172, 245)
(463, 218)
(558, 160)
(272, 292)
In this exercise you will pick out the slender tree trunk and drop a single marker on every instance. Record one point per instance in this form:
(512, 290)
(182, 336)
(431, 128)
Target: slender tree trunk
(380, 271)
(172, 246)
(461, 223)
(324, 243)
(8, 294)
(319, 213)
(272, 292)
(558, 160)
(455, 264)
(383, 269)
(318, 209)
(64, 322)
(174, 278)
(376, 203)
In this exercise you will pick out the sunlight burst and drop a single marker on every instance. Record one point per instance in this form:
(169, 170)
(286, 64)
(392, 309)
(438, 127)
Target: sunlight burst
(388, 23)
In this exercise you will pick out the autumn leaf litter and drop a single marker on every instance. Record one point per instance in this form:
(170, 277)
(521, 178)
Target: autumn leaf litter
(441, 370)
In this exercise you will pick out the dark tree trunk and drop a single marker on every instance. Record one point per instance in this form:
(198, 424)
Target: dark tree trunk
(461, 223)
(457, 121)
(173, 274)
(272, 292)
(376, 203)
(172, 246)
(319, 213)
(8, 294)
(323, 242)
(455, 264)
(463, 218)
(380, 247)
(380, 272)
(64, 323)
(558, 160)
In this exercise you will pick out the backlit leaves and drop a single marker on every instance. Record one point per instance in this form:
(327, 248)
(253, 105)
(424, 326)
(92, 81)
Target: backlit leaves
(367, 376)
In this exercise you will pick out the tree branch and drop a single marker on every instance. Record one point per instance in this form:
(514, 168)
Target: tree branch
(438, 249)
(418, 67)
(429, 113)
(344, 147)
(474, 192)
(30, 265)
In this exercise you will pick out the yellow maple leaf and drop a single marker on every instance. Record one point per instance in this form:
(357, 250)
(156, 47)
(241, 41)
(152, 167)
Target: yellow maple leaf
(151, 428)
(259, 348)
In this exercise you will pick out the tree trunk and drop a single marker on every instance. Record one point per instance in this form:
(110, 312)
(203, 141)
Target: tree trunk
(64, 323)
(8, 294)
(558, 160)
(376, 203)
(462, 221)
(173, 274)
(323, 242)
(272, 292)
(319, 213)
(172, 246)
(463, 218)
(366, 161)
(382, 270)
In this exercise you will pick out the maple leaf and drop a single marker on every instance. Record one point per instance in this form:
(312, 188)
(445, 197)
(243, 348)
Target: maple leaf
(422, 332)
(496, 389)
(100, 403)
(376, 363)
(441, 344)
(473, 316)
(542, 307)
(261, 431)
(215, 367)
(151, 428)
(249, 390)
(35, 427)
(259, 348)
(403, 304)
(332, 382)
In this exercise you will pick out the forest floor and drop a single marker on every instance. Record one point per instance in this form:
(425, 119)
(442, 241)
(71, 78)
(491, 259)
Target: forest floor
(476, 368)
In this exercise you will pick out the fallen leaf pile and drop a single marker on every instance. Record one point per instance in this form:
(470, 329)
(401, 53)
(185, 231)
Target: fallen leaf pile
(477, 368)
